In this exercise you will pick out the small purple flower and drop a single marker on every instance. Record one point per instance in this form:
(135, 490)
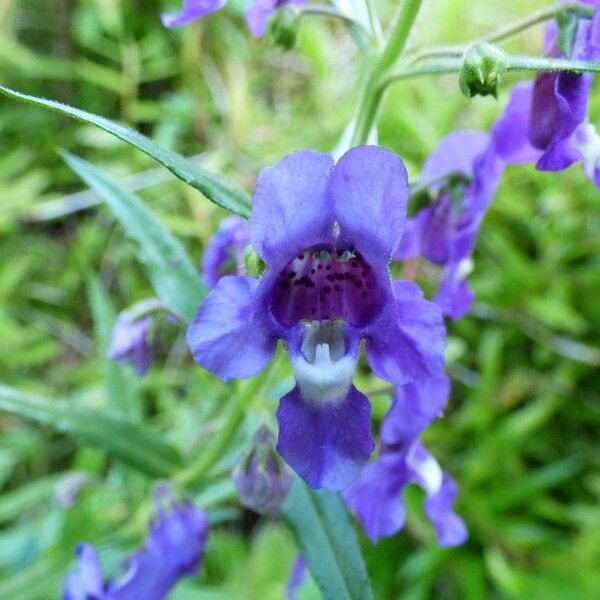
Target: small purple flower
(296, 578)
(173, 549)
(465, 170)
(134, 339)
(257, 12)
(224, 254)
(376, 496)
(262, 479)
(559, 101)
(326, 233)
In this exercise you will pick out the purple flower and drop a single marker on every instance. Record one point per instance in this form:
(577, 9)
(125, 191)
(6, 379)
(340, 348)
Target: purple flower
(296, 578)
(173, 549)
(134, 339)
(376, 496)
(559, 101)
(326, 233)
(262, 480)
(257, 12)
(464, 170)
(190, 11)
(224, 254)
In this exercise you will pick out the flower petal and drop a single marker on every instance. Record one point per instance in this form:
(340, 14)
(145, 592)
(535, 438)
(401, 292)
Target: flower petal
(290, 209)
(229, 335)
(296, 577)
(455, 153)
(173, 549)
(190, 11)
(415, 406)
(407, 341)
(224, 254)
(454, 296)
(328, 443)
(449, 527)
(87, 581)
(375, 496)
(369, 189)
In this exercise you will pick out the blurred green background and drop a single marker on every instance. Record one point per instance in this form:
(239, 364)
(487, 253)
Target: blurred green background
(520, 432)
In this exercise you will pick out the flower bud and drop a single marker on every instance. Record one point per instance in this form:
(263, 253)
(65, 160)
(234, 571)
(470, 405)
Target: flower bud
(254, 264)
(262, 478)
(282, 27)
(483, 66)
(133, 339)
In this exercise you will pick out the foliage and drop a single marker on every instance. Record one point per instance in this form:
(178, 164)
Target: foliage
(520, 431)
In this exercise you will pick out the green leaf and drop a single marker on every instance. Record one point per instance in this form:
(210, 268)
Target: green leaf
(172, 273)
(327, 540)
(214, 187)
(134, 444)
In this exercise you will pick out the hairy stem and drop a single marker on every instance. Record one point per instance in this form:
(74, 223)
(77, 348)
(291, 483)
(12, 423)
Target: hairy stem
(371, 94)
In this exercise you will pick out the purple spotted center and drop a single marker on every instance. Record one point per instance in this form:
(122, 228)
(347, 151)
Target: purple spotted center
(323, 284)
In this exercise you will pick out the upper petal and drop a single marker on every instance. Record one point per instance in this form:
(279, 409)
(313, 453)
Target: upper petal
(369, 189)
(229, 335)
(191, 10)
(87, 581)
(290, 210)
(326, 444)
(455, 153)
(406, 343)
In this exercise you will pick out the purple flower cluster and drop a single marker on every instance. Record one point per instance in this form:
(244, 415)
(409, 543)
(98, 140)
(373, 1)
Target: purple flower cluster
(326, 233)
(257, 12)
(376, 496)
(558, 124)
(464, 171)
(173, 548)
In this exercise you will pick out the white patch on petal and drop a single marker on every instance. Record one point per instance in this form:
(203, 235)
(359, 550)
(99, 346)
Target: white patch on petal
(465, 266)
(587, 141)
(426, 467)
(323, 370)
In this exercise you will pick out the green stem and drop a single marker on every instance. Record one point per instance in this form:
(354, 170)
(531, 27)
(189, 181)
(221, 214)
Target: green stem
(371, 94)
(513, 63)
(535, 18)
(234, 418)
(501, 34)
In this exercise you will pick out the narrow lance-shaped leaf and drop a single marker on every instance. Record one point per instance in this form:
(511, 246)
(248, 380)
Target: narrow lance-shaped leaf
(214, 187)
(134, 444)
(328, 542)
(171, 271)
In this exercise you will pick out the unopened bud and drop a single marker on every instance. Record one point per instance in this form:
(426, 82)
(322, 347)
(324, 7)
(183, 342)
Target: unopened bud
(262, 478)
(254, 264)
(483, 67)
(282, 27)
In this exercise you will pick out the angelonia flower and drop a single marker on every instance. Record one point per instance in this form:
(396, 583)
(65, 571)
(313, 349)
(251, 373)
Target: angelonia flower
(326, 234)
(262, 479)
(376, 496)
(296, 577)
(465, 170)
(133, 339)
(558, 124)
(257, 13)
(224, 254)
(173, 549)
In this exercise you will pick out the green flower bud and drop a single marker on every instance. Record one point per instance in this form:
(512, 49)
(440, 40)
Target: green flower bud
(282, 27)
(253, 263)
(483, 66)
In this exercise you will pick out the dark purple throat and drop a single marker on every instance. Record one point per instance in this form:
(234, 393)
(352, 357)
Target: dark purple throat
(326, 284)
